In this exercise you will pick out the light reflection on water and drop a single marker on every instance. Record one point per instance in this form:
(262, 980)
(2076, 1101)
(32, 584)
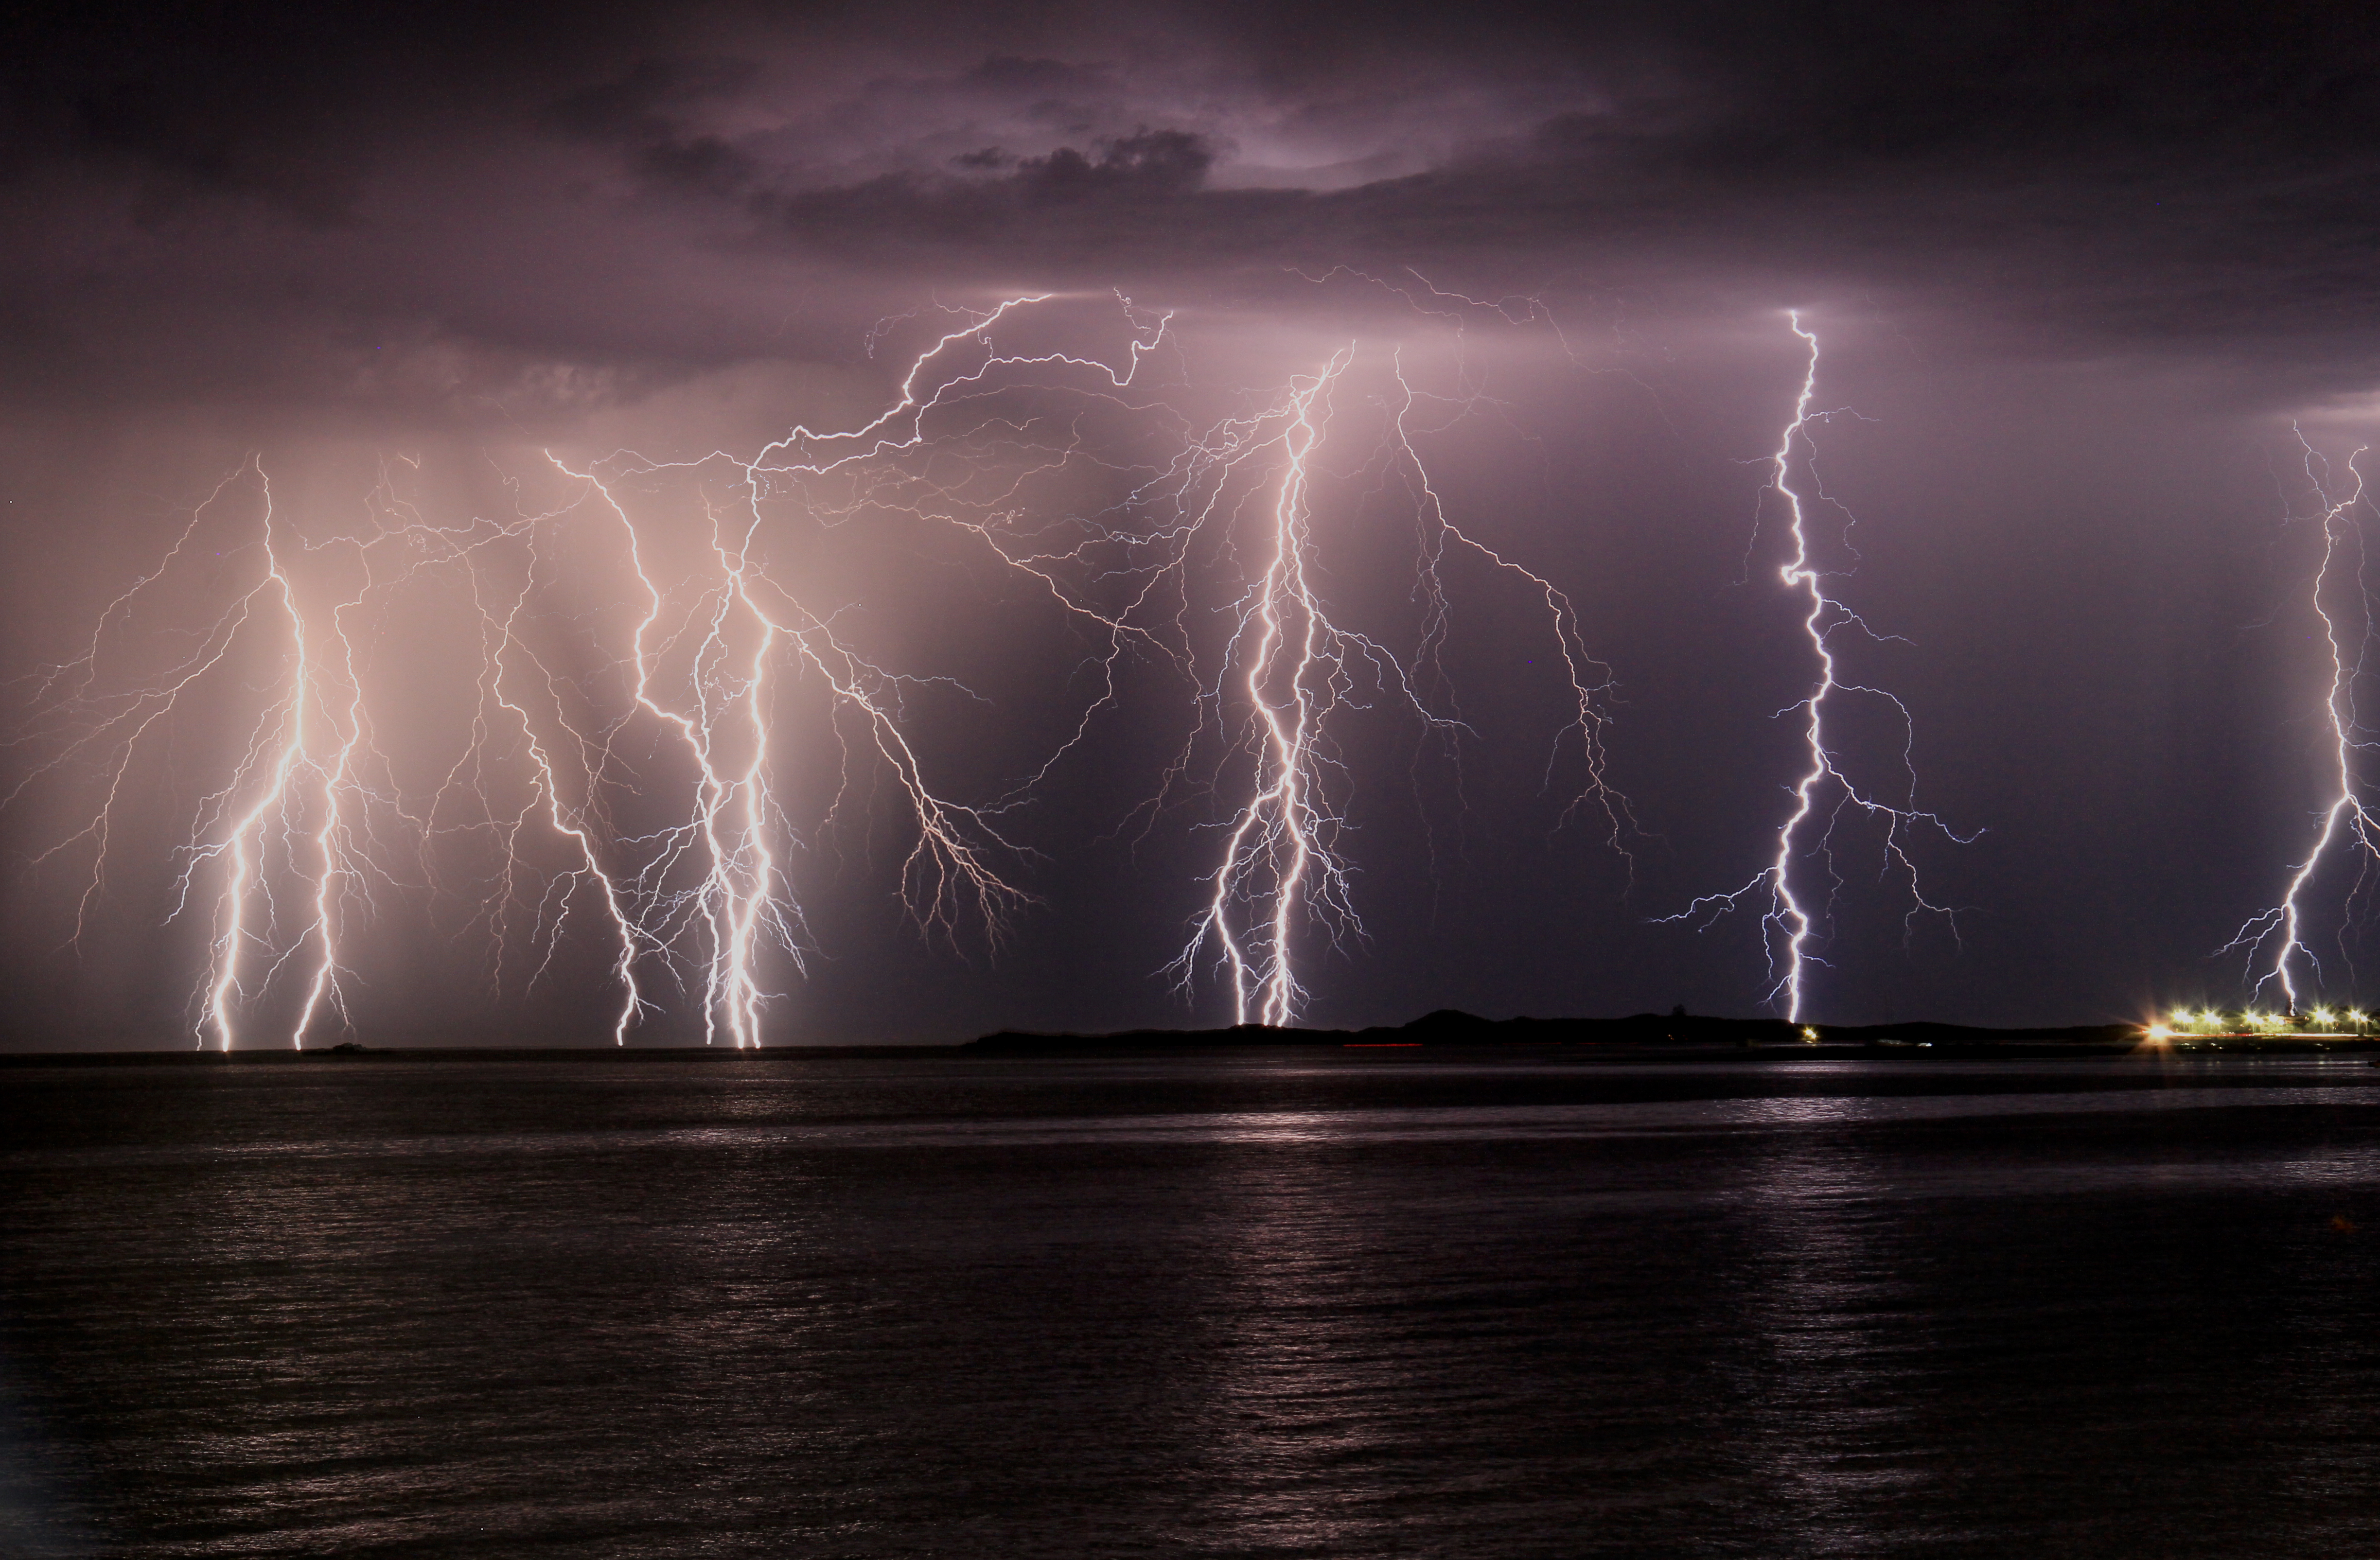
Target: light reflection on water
(1368, 1126)
(1169, 1307)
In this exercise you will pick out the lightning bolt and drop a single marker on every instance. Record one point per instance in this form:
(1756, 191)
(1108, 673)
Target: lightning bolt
(286, 754)
(295, 776)
(2345, 820)
(1590, 681)
(742, 618)
(1289, 668)
(507, 651)
(1823, 792)
(670, 701)
(1278, 853)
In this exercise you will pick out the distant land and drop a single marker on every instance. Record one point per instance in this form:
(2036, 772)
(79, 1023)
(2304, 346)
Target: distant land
(1451, 1026)
(1683, 1036)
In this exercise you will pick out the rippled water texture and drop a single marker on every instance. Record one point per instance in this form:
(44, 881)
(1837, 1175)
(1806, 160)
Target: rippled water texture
(1288, 1303)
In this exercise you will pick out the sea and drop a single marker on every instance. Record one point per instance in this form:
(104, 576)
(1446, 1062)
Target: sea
(1285, 1302)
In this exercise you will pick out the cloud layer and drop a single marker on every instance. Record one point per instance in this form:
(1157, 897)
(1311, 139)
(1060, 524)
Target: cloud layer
(219, 201)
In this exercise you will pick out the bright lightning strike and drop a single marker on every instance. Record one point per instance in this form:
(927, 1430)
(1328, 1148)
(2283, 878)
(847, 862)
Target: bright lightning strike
(1278, 852)
(1289, 670)
(2346, 823)
(290, 796)
(639, 651)
(1824, 792)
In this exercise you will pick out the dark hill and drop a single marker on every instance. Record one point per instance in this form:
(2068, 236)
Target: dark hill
(1449, 1027)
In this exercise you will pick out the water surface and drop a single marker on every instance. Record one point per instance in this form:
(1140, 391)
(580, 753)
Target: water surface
(1286, 1303)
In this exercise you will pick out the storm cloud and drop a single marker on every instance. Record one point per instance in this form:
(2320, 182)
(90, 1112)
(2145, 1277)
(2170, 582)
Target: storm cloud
(528, 184)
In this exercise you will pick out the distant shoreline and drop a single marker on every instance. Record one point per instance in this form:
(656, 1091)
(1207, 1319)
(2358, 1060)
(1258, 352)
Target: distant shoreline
(1680, 1036)
(1449, 1028)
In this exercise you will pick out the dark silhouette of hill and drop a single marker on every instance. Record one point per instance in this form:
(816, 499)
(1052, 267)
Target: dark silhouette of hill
(1450, 1027)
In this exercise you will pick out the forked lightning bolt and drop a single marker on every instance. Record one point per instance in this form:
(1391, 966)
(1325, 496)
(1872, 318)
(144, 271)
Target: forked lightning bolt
(673, 696)
(1823, 791)
(1278, 860)
(2346, 823)
(1287, 670)
(288, 758)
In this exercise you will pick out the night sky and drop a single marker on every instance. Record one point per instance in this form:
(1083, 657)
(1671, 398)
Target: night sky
(2084, 280)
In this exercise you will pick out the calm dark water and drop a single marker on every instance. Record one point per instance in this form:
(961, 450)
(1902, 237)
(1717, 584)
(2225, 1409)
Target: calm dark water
(1302, 1303)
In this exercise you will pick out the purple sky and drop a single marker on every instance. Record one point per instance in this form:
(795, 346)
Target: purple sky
(2076, 272)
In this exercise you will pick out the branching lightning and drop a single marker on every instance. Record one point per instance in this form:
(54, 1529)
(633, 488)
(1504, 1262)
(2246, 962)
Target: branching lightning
(1278, 854)
(621, 760)
(665, 655)
(1289, 668)
(1824, 792)
(2346, 823)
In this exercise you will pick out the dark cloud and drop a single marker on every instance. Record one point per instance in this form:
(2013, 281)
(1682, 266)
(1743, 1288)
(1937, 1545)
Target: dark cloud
(1148, 165)
(294, 106)
(648, 101)
(1045, 78)
(2077, 175)
(1120, 204)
